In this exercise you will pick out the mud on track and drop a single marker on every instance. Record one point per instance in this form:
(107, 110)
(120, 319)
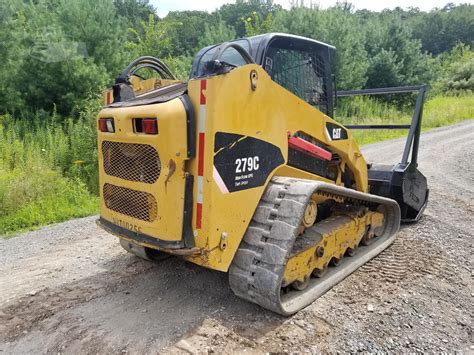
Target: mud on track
(71, 288)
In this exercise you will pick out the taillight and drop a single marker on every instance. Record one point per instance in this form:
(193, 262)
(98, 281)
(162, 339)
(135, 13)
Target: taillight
(145, 125)
(106, 125)
(150, 126)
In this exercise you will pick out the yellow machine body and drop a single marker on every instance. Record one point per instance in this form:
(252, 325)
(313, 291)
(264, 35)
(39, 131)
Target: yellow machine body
(244, 102)
(242, 170)
(164, 196)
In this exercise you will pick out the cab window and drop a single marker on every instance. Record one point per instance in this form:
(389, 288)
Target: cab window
(299, 69)
(230, 56)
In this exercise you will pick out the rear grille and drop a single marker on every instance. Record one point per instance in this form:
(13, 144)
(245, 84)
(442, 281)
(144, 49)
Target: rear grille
(134, 162)
(133, 203)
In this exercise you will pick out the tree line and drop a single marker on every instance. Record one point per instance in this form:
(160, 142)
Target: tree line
(58, 54)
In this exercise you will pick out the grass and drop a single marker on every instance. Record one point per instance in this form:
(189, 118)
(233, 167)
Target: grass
(36, 196)
(48, 170)
(438, 111)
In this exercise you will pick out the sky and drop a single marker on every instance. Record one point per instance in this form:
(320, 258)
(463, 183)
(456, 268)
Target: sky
(164, 6)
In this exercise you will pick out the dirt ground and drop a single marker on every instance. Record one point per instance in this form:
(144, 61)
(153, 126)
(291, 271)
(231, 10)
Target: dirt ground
(70, 288)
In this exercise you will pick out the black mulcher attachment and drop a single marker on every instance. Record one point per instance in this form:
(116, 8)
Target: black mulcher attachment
(402, 182)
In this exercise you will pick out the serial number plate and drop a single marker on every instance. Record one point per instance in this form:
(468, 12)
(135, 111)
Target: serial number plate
(127, 225)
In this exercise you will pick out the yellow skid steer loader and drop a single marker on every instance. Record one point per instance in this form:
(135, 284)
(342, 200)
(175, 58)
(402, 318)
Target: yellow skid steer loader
(242, 170)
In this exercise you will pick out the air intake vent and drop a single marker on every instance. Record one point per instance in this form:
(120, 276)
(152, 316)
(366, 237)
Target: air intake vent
(133, 162)
(133, 203)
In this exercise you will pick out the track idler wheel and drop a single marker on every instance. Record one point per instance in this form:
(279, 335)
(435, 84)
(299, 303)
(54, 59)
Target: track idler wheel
(310, 214)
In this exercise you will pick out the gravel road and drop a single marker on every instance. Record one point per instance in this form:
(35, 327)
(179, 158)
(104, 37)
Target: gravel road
(70, 288)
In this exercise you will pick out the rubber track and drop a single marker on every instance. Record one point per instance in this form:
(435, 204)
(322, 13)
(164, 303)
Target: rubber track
(257, 269)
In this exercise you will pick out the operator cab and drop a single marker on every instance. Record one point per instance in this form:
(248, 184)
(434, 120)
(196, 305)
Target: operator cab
(300, 65)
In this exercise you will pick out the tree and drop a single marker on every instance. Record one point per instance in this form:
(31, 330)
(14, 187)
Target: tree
(215, 34)
(232, 14)
(441, 29)
(55, 53)
(152, 38)
(12, 53)
(395, 57)
(186, 37)
(156, 39)
(98, 26)
(134, 10)
(457, 71)
(385, 70)
(61, 53)
(255, 26)
(336, 26)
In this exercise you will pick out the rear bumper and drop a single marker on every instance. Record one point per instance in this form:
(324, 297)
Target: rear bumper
(138, 237)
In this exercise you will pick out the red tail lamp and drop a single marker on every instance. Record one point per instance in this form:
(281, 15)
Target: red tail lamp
(150, 126)
(106, 125)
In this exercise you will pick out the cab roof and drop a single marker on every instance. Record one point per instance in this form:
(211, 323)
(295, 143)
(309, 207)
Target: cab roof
(257, 45)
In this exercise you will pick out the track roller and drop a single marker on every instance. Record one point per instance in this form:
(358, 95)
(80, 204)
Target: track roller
(352, 251)
(320, 272)
(336, 261)
(301, 285)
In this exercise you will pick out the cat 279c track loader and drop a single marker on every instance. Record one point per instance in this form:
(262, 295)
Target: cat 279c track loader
(243, 170)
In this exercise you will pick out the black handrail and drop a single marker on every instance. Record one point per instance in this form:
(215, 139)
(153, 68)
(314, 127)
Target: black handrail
(380, 91)
(241, 50)
(413, 138)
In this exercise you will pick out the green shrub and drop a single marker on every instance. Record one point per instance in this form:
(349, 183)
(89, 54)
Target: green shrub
(37, 195)
(456, 74)
(68, 147)
(48, 170)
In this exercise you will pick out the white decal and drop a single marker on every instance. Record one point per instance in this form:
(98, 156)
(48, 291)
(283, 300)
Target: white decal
(247, 164)
(336, 133)
(218, 179)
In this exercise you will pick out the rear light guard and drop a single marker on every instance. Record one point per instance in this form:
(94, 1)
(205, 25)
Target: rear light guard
(107, 125)
(145, 125)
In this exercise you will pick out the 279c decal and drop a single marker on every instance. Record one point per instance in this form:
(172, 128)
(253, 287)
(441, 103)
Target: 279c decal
(246, 164)
(239, 162)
